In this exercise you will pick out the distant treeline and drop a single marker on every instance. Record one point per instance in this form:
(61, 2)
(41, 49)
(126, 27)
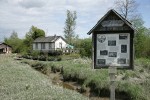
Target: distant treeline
(24, 46)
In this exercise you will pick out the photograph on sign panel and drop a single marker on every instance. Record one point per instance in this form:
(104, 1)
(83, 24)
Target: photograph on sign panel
(111, 42)
(112, 54)
(103, 52)
(101, 38)
(123, 48)
(121, 61)
(123, 36)
(101, 61)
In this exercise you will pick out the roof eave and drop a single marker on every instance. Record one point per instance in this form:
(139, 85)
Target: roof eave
(123, 19)
(91, 31)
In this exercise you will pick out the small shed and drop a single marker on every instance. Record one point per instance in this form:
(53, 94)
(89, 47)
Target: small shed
(5, 48)
(70, 46)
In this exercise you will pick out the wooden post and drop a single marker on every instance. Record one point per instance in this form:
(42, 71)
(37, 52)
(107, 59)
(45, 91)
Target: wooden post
(112, 71)
(92, 51)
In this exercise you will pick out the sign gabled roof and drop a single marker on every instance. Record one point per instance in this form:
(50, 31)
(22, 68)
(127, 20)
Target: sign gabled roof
(112, 10)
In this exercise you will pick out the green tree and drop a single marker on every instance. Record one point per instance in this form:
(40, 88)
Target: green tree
(15, 42)
(139, 37)
(85, 47)
(33, 33)
(142, 40)
(69, 29)
(128, 9)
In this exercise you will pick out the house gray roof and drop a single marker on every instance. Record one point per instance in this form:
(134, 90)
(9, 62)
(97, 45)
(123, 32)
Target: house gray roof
(2, 45)
(112, 10)
(48, 39)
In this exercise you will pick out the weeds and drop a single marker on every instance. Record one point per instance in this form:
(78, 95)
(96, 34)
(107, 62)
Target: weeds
(127, 87)
(18, 81)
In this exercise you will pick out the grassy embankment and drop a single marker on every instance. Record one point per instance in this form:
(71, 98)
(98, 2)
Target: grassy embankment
(18, 81)
(130, 85)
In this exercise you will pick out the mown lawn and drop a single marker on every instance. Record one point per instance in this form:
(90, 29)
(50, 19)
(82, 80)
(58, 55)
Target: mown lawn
(18, 81)
(130, 84)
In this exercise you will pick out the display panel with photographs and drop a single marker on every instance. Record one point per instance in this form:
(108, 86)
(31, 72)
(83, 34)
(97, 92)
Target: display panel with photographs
(103, 52)
(123, 36)
(111, 42)
(121, 61)
(113, 49)
(101, 61)
(112, 54)
(123, 48)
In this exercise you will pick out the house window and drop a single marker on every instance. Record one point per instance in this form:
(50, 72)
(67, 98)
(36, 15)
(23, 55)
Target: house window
(50, 45)
(36, 45)
(42, 45)
(60, 44)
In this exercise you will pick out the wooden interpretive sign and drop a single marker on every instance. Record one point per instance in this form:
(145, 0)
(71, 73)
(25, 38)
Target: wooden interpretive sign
(112, 40)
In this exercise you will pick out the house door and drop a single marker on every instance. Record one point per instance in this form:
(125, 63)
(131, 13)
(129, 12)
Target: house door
(1, 51)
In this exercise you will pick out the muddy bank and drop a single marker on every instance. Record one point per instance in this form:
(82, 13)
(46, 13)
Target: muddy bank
(57, 79)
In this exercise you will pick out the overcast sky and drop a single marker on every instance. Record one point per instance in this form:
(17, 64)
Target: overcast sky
(50, 15)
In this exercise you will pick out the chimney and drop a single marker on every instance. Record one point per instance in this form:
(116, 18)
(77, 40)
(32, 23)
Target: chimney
(55, 36)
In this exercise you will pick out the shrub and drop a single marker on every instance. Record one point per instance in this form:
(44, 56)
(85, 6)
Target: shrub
(41, 53)
(59, 59)
(134, 91)
(42, 58)
(70, 56)
(20, 82)
(35, 55)
(51, 58)
(55, 53)
(97, 80)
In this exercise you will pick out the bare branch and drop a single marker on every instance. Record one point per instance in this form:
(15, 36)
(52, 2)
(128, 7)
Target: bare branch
(127, 8)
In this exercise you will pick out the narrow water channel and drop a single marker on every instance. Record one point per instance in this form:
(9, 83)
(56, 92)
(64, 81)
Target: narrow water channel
(57, 79)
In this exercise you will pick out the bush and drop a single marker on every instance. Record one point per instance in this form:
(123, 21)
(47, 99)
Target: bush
(97, 80)
(42, 58)
(41, 53)
(70, 56)
(86, 47)
(59, 59)
(27, 56)
(51, 58)
(20, 82)
(55, 53)
(35, 55)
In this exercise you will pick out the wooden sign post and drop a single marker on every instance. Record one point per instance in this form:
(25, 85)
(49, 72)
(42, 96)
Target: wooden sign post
(112, 39)
(112, 72)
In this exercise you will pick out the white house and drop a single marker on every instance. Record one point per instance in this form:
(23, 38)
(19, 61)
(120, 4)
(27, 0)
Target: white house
(50, 43)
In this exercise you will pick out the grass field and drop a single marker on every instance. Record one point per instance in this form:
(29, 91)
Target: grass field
(18, 81)
(131, 84)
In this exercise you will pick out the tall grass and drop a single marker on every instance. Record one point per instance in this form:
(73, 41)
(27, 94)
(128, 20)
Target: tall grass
(18, 81)
(130, 84)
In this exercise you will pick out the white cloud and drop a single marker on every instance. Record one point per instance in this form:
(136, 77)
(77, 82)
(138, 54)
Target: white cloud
(49, 15)
(32, 3)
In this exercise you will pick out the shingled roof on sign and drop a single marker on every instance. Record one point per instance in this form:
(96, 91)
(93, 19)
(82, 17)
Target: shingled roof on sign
(106, 15)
